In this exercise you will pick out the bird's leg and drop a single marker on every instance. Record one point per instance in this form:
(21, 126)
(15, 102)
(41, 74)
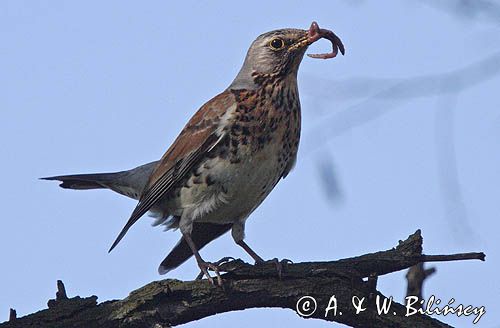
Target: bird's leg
(259, 260)
(203, 265)
(250, 251)
(238, 232)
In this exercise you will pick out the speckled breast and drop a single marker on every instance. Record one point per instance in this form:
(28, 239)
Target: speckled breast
(259, 149)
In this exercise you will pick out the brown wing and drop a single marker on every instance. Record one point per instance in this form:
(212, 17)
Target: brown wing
(198, 137)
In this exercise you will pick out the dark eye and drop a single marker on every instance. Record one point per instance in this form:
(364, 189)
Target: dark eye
(276, 44)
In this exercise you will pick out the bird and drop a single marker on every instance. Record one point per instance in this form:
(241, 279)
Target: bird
(228, 157)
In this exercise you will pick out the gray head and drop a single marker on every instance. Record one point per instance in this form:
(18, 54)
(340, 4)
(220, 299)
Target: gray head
(280, 52)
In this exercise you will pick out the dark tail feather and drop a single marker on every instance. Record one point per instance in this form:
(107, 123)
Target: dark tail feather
(202, 234)
(83, 181)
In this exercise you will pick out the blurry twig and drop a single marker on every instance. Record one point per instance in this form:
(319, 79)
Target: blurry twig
(382, 102)
(328, 178)
(456, 212)
(416, 277)
(378, 104)
(487, 9)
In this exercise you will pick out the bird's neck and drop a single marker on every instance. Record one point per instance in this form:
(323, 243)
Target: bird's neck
(252, 80)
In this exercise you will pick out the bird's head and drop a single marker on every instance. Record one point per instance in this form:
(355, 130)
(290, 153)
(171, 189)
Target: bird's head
(280, 52)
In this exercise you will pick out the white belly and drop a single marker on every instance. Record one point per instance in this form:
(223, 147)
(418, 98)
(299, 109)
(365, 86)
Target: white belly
(239, 189)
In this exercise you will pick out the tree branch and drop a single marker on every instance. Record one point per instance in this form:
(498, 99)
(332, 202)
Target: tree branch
(416, 276)
(172, 302)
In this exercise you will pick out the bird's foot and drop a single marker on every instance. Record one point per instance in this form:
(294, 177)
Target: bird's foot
(279, 265)
(223, 260)
(205, 266)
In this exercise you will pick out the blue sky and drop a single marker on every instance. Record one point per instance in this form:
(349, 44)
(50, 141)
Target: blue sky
(96, 86)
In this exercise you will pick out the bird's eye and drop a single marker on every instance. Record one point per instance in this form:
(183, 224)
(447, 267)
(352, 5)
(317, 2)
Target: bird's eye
(277, 44)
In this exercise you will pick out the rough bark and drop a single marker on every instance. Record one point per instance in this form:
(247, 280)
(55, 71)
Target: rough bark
(172, 302)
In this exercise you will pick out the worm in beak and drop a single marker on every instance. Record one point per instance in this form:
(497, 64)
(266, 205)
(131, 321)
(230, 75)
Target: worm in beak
(315, 33)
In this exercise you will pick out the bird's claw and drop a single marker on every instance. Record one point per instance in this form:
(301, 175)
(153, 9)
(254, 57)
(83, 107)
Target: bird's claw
(217, 264)
(204, 267)
(279, 265)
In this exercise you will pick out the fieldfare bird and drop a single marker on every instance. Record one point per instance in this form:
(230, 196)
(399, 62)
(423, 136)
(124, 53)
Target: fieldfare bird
(228, 157)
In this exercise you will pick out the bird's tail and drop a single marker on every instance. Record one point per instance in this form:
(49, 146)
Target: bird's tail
(85, 181)
(202, 234)
(130, 183)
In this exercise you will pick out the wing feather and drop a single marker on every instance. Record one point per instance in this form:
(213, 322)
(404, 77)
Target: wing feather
(164, 184)
(199, 137)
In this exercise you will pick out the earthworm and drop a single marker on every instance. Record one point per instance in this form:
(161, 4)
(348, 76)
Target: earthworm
(315, 33)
